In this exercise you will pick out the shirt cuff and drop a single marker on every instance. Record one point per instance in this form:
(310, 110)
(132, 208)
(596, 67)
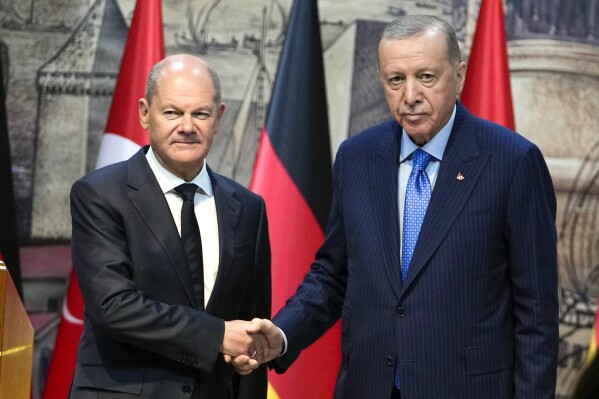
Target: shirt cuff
(284, 343)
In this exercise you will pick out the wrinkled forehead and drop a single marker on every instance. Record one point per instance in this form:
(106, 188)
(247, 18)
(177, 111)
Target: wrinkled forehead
(432, 42)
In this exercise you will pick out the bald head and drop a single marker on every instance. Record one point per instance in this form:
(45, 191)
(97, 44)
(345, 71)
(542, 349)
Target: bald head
(179, 62)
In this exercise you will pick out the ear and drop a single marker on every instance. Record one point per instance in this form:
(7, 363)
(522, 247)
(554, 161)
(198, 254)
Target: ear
(144, 113)
(219, 113)
(460, 78)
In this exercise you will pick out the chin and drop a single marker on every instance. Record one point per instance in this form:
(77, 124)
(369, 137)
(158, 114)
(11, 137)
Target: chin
(419, 136)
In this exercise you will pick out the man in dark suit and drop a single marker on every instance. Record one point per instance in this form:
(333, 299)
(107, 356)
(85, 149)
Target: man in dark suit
(440, 252)
(157, 312)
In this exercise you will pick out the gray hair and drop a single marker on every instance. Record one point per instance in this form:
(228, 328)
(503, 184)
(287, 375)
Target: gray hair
(416, 25)
(154, 77)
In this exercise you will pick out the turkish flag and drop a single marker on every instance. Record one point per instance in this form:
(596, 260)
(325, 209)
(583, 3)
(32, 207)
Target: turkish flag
(122, 138)
(487, 91)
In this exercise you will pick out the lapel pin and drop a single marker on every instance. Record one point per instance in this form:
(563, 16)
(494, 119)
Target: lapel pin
(460, 177)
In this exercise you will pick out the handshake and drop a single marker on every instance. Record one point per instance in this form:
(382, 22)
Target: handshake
(247, 344)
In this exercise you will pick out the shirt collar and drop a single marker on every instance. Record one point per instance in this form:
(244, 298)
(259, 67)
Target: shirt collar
(168, 181)
(435, 147)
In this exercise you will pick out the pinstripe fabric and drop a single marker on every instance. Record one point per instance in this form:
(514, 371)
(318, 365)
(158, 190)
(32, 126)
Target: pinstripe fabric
(476, 316)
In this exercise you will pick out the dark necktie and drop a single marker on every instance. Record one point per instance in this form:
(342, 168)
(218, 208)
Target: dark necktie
(192, 241)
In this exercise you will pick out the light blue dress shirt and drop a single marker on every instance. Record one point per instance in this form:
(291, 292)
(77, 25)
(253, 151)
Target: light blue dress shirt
(435, 147)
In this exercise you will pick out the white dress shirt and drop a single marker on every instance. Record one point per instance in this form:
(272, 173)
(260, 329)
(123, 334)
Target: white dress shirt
(205, 210)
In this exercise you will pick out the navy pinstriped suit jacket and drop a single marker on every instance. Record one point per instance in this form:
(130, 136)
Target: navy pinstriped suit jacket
(477, 316)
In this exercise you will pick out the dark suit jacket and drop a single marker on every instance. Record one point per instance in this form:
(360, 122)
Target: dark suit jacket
(477, 316)
(143, 334)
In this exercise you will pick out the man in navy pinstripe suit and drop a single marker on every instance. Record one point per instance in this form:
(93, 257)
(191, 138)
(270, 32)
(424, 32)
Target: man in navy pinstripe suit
(476, 316)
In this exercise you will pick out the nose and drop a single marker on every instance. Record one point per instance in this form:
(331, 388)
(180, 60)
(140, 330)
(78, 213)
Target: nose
(186, 125)
(411, 92)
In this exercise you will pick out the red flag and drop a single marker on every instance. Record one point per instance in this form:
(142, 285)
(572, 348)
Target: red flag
(293, 174)
(62, 366)
(487, 91)
(145, 46)
(123, 137)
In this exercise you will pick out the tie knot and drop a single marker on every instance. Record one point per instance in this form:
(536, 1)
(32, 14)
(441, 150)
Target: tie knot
(187, 191)
(420, 159)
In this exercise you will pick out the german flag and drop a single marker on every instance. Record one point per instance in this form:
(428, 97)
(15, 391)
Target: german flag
(293, 174)
(9, 240)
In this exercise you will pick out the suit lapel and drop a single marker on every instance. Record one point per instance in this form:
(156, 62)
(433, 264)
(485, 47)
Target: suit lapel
(462, 157)
(228, 210)
(148, 199)
(383, 188)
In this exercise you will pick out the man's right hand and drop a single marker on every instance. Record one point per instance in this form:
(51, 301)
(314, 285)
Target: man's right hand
(248, 344)
(237, 341)
(273, 347)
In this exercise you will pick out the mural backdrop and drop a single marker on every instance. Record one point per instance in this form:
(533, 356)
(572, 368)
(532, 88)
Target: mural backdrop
(62, 58)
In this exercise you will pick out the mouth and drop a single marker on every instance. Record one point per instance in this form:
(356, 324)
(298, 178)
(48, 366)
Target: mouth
(412, 116)
(185, 142)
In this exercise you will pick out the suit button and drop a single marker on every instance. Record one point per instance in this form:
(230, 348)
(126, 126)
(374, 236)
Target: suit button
(390, 361)
(401, 311)
(186, 389)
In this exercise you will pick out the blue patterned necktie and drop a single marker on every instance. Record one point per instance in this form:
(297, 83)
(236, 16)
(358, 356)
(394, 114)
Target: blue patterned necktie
(418, 194)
